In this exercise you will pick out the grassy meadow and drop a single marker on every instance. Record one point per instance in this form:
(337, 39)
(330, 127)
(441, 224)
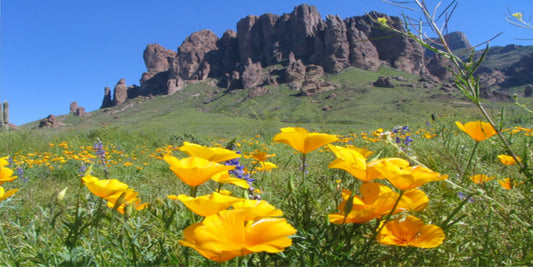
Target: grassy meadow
(483, 223)
(360, 175)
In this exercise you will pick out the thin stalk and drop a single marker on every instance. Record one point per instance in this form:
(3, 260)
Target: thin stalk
(303, 169)
(4, 239)
(97, 228)
(465, 172)
(380, 226)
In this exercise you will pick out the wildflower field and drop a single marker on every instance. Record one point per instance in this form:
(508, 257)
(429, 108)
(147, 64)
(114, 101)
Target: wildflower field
(445, 193)
(449, 191)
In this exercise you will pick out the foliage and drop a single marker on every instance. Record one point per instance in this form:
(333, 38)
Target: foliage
(449, 191)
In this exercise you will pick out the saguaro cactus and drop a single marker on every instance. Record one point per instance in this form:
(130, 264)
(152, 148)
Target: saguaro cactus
(5, 115)
(2, 117)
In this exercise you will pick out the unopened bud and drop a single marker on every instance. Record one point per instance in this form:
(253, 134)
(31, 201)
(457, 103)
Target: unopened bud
(61, 194)
(128, 210)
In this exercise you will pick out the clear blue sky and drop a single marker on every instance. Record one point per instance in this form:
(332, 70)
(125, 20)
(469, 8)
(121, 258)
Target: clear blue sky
(53, 52)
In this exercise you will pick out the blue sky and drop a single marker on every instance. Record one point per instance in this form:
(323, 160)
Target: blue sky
(54, 52)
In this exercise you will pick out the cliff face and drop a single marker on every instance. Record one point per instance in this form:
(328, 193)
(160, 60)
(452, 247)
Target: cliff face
(298, 41)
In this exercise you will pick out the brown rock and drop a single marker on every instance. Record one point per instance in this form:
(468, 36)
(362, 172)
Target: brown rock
(305, 23)
(337, 48)
(121, 92)
(363, 54)
(229, 51)
(193, 53)
(384, 82)
(313, 72)
(49, 122)
(295, 71)
(107, 102)
(252, 75)
(528, 91)
(73, 107)
(399, 51)
(257, 91)
(156, 58)
(76, 110)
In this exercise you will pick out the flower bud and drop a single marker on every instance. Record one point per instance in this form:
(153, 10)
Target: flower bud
(61, 194)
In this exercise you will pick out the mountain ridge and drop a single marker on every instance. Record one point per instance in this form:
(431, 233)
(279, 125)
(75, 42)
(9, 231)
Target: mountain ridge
(300, 41)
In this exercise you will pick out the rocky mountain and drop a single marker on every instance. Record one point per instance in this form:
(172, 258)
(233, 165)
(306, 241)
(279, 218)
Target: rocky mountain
(296, 48)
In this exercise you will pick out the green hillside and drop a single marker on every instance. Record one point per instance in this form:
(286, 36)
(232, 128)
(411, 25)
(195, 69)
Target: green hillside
(354, 105)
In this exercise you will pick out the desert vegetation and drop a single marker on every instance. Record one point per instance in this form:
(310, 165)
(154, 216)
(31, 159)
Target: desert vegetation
(444, 190)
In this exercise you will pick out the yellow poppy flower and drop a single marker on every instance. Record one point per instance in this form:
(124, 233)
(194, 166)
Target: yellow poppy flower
(261, 155)
(406, 177)
(506, 183)
(266, 166)
(194, 170)
(507, 160)
(216, 154)
(207, 205)
(256, 209)
(481, 178)
(477, 130)
(225, 178)
(227, 235)
(6, 175)
(377, 200)
(103, 188)
(349, 160)
(303, 141)
(5, 195)
(376, 168)
(4, 161)
(128, 198)
(411, 231)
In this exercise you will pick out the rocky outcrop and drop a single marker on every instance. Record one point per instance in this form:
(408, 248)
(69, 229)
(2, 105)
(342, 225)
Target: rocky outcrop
(383, 82)
(336, 44)
(120, 92)
(252, 75)
(107, 101)
(295, 71)
(363, 54)
(157, 60)
(49, 122)
(300, 42)
(76, 110)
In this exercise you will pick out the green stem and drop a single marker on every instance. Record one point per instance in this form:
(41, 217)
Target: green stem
(380, 226)
(465, 172)
(97, 228)
(194, 190)
(303, 169)
(4, 239)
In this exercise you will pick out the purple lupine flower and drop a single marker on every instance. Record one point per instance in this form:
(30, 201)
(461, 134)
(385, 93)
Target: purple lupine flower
(20, 174)
(82, 170)
(240, 173)
(463, 196)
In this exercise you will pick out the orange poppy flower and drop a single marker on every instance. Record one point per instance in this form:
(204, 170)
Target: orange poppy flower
(5, 195)
(303, 141)
(507, 160)
(477, 130)
(349, 160)
(194, 170)
(377, 200)
(226, 235)
(506, 183)
(411, 231)
(206, 205)
(481, 178)
(216, 154)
